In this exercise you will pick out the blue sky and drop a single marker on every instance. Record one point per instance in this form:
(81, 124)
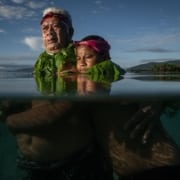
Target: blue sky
(139, 31)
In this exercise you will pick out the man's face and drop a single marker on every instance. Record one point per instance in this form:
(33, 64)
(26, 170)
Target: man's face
(55, 34)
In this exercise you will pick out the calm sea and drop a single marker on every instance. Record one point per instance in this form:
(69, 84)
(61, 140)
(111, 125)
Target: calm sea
(18, 81)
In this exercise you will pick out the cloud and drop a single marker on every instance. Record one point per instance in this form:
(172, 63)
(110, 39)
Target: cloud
(17, 1)
(154, 50)
(150, 40)
(9, 12)
(35, 5)
(98, 2)
(35, 43)
(2, 31)
(99, 7)
(30, 4)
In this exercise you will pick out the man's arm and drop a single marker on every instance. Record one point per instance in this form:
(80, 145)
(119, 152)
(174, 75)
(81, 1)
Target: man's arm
(8, 107)
(40, 117)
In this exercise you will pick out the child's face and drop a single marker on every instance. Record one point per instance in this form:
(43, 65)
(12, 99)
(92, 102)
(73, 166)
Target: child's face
(86, 58)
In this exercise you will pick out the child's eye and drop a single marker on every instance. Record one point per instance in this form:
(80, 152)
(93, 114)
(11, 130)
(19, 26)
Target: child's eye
(89, 56)
(78, 58)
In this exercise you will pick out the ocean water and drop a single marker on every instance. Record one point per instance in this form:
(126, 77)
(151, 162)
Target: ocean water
(18, 82)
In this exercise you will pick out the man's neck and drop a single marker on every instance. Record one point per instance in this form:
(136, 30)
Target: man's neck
(56, 50)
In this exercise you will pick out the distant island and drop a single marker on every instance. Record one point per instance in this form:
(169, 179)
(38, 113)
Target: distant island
(171, 66)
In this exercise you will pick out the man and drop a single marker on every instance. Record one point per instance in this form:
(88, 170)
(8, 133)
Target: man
(57, 32)
(55, 137)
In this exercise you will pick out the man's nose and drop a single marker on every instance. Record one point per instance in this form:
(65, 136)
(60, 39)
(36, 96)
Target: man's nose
(50, 30)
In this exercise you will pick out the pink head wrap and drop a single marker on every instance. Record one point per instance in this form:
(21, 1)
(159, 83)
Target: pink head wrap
(60, 16)
(97, 45)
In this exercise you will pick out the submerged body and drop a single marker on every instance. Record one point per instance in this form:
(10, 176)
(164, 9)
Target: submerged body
(55, 140)
(129, 156)
(51, 130)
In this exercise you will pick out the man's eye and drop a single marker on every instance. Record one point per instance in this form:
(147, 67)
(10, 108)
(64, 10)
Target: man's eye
(44, 28)
(55, 26)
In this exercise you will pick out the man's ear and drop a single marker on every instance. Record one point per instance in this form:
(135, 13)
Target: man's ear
(71, 32)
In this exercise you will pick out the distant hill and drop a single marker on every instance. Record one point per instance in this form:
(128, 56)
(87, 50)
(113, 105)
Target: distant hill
(147, 67)
(26, 69)
(16, 68)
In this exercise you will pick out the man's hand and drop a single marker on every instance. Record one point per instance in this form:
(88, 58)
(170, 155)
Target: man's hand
(144, 120)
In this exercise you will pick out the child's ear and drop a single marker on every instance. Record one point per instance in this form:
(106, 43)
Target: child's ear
(102, 56)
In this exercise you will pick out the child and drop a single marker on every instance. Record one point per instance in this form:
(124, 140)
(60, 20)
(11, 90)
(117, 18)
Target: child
(93, 58)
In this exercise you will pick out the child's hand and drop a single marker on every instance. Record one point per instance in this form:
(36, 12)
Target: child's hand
(144, 121)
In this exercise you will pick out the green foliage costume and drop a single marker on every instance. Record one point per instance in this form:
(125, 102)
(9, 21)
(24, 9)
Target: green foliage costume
(106, 71)
(50, 64)
(47, 66)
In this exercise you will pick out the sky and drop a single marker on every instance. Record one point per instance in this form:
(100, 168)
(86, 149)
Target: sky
(139, 31)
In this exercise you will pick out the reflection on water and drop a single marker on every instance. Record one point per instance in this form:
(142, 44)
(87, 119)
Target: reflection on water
(131, 87)
(147, 86)
(154, 77)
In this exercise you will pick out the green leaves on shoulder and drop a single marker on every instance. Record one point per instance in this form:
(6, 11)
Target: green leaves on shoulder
(64, 56)
(106, 71)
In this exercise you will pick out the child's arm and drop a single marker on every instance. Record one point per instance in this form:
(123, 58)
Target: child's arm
(144, 120)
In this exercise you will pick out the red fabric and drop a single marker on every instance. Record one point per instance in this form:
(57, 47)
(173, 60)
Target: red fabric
(60, 16)
(97, 45)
